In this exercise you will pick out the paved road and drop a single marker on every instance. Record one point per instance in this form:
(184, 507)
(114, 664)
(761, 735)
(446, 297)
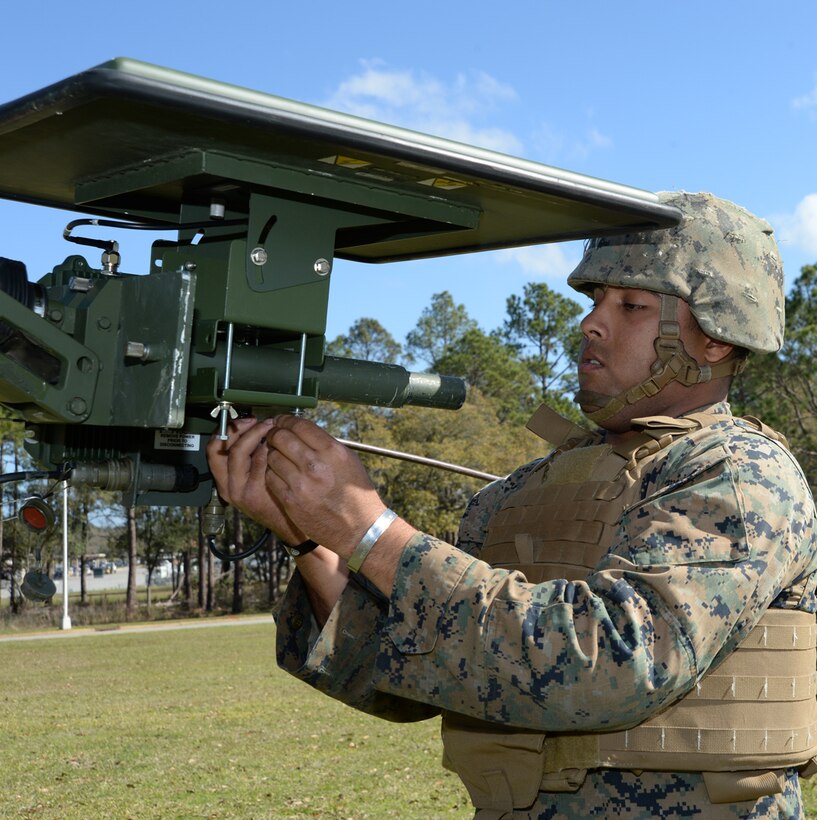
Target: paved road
(115, 580)
(149, 626)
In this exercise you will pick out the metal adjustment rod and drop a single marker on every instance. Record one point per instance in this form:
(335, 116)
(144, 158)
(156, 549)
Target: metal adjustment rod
(299, 390)
(225, 410)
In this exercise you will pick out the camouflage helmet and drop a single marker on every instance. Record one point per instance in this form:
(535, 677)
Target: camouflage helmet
(721, 260)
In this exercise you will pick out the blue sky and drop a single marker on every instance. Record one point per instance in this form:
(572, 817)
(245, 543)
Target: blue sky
(716, 95)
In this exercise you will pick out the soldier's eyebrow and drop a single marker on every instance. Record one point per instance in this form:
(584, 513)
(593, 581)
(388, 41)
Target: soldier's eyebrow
(643, 292)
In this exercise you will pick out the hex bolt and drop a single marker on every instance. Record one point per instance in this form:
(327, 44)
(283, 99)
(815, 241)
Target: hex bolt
(190, 266)
(258, 256)
(322, 266)
(77, 406)
(111, 261)
(136, 350)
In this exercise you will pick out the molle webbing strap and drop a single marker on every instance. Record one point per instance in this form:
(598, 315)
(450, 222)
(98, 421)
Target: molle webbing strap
(756, 710)
(767, 431)
(558, 525)
(555, 429)
(563, 520)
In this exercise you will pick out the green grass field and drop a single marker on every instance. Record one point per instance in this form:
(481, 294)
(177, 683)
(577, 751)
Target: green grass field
(199, 723)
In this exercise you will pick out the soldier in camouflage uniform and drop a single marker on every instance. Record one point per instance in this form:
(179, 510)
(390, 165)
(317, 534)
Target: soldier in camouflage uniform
(625, 627)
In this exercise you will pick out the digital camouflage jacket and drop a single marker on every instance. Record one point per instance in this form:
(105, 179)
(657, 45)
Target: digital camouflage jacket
(724, 531)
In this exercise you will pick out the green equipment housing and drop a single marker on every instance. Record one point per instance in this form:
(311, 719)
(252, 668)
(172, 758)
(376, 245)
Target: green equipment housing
(124, 376)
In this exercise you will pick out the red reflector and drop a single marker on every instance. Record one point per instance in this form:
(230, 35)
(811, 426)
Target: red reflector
(36, 514)
(34, 518)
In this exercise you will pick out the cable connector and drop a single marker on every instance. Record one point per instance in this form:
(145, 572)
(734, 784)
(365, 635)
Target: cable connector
(213, 515)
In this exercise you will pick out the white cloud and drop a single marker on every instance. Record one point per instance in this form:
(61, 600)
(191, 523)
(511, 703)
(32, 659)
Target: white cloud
(598, 140)
(465, 108)
(549, 144)
(419, 101)
(799, 228)
(593, 140)
(553, 261)
(556, 148)
(806, 101)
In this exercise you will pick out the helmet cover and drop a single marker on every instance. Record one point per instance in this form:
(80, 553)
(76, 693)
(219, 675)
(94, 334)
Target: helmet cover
(721, 260)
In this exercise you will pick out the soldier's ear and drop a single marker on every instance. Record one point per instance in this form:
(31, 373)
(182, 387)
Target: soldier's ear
(716, 351)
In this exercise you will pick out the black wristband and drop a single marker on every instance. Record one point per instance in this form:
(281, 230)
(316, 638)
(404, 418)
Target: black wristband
(299, 549)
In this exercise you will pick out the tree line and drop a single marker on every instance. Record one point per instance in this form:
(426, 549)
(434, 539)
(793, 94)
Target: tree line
(528, 359)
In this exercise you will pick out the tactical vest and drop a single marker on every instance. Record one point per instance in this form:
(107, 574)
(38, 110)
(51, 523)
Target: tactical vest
(753, 714)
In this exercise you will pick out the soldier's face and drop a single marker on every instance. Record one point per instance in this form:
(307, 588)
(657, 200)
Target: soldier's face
(618, 347)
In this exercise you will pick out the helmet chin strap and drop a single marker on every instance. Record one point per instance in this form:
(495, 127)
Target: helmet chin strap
(673, 363)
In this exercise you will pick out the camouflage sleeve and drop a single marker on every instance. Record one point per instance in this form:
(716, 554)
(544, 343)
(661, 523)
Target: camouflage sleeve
(723, 529)
(340, 659)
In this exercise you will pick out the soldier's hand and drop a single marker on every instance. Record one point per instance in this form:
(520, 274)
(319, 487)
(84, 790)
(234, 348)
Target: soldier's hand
(321, 485)
(238, 466)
